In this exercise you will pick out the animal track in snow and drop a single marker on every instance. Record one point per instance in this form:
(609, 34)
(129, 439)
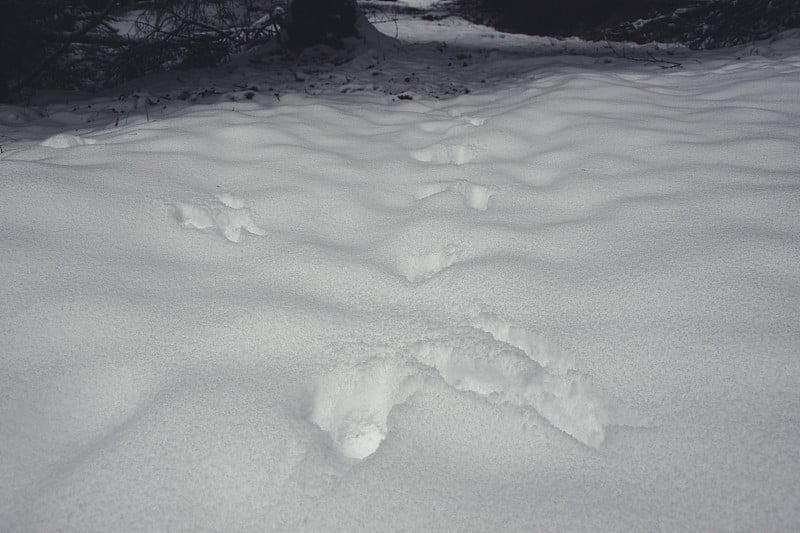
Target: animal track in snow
(474, 121)
(533, 345)
(444, 126)
(438, 126)
(64, 140)
(353, 404)
(229, 218)
(231, 201)
(475, 195)
(418, 268)
(454, 154)
(505, 374)
(492, 358)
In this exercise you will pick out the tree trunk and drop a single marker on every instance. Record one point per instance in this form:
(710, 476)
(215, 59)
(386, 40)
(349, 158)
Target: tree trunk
(312, 22)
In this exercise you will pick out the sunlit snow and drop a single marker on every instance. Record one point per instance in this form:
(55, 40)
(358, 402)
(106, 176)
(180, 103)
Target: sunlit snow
(551, 288)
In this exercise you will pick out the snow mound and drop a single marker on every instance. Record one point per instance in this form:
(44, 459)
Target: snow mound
(64, 140)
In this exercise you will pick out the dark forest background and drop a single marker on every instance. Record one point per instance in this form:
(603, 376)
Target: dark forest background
(90, 44)
(696, 23)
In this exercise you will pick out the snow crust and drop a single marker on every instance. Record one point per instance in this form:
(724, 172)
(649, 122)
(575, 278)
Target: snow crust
(568, 300)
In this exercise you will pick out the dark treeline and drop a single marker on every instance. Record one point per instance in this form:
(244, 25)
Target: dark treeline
(95, 43)
(696, 23)
(563, 17)
(90, 43)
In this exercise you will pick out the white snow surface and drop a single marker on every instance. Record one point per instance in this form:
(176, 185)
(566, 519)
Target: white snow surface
(568, 300)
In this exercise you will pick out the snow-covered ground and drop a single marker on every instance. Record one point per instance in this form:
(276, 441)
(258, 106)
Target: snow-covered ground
(549, 288)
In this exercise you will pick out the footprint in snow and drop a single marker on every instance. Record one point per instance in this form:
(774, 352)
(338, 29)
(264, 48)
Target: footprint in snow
(475, 121)
(231, 201)
(420, 267)
(534, 346)
(352, 404)
(454, 154)
(475, 196)
(446, 126)
(503, 374)
(498, 361)
(229, 217)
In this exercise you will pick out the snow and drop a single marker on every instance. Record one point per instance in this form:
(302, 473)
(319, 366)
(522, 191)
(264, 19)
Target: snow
(62, 140)
(555, 289)
(228, 218)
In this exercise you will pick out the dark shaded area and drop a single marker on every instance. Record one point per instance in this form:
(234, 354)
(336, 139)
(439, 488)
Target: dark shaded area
(713, 24)
(94, 44)
(696, 23)
(559, 18)
(31, 30)
(313, 22)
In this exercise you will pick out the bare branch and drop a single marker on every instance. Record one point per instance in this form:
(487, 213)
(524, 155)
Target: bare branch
(43, 64)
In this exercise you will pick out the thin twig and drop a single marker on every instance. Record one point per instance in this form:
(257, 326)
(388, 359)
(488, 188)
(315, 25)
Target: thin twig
(663, 63)
(199, 24)
(667, 63)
